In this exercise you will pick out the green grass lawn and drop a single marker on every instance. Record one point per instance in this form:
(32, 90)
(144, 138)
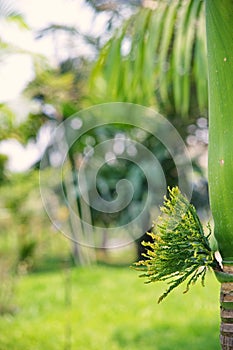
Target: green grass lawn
(109, 308)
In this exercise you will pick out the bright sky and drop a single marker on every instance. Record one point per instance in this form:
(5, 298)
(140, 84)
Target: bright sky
(17, 70)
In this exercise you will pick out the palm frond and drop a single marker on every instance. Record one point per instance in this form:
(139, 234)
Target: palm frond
(165, 61)
(9, 13)
(54, 28)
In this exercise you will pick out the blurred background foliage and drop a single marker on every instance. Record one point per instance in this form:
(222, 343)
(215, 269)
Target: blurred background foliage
(151, 53)
(160, 53)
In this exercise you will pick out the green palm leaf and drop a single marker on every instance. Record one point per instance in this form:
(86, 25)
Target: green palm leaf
(166, 60)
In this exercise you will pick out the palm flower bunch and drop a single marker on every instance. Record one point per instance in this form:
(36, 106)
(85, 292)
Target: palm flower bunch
(180, 249)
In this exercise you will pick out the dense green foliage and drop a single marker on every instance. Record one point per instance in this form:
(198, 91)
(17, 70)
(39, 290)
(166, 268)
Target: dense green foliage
(180, 249)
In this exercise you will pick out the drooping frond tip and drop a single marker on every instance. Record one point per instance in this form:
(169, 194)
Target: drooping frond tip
(180, 250)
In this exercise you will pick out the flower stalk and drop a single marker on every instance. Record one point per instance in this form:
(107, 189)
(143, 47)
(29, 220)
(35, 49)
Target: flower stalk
(180, 250)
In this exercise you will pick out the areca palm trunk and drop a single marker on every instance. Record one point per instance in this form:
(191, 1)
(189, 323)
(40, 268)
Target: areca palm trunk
(219, 24)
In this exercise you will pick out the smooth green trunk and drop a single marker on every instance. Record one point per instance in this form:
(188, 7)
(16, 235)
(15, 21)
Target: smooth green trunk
(219, 24)
(219, 15)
